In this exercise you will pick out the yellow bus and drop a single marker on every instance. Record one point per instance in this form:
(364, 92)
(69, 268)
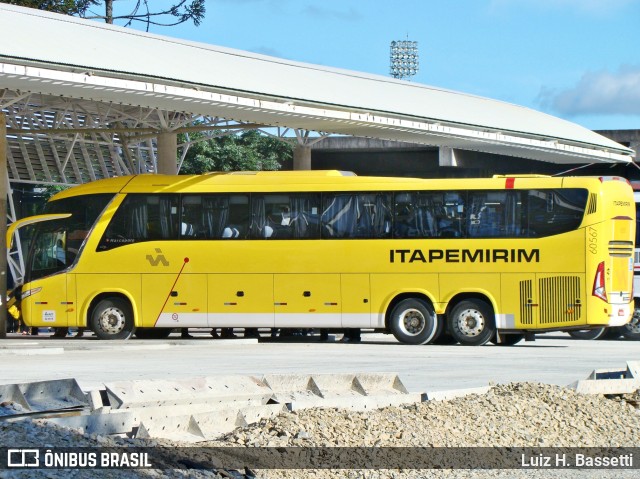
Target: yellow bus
(472, 260)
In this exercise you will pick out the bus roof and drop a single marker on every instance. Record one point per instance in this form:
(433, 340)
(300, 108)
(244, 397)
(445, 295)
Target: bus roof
(314, 180)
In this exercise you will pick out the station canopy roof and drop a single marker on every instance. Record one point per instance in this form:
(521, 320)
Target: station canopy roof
(85, 100)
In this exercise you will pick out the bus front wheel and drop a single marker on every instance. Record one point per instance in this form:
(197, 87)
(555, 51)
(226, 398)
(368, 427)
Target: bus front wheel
(472, 323)
(413, 321)
(112, 318)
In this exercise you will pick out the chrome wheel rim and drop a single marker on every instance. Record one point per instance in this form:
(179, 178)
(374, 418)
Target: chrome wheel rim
(412, 322)
(470, 322)
(112, 320)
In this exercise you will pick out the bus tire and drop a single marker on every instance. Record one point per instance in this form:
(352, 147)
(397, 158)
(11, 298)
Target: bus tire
(112, 318)
(471, 322)
(631, 330)
(152, 333)
(588, 334)
(413, 321)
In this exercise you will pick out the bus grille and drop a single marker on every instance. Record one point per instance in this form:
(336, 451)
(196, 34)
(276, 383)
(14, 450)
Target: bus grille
(593, 203)
(526, 310)
(560, 299)
(621, 249)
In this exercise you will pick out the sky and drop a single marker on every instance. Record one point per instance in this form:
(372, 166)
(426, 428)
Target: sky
(575, 59)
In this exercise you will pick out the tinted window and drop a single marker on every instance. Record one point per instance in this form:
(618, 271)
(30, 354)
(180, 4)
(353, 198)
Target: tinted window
(495, 214)
(429, 215)
(285, 216)
(214, 217)
(57, 243)
(142, 218)
(356, 215)
(552, 212)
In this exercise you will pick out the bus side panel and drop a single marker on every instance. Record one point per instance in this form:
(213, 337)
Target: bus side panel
(520, 306)
(485, 284)
(172, 301)
(385, 287)
(91, 285)
(49, 306)
(561, 300)
(240, 300)
(307, 300)
(356, 301)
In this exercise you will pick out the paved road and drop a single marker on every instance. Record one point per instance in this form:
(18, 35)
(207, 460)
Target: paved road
(552, 358)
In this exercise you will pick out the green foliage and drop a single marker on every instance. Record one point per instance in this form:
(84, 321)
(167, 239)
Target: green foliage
(250, 151)
(68, 7)
(180, 12)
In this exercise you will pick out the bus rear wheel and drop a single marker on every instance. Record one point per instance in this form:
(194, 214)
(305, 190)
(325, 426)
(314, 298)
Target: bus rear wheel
(471, 322)
(413, 321)
(112, 318)
(631, 330)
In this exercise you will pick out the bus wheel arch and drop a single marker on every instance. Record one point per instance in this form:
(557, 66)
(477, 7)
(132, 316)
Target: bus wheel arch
(471, 319)
(411, 318)
(631, 330)
(111, 316)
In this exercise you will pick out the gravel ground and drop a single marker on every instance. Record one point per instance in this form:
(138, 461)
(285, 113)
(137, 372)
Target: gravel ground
(512, 415)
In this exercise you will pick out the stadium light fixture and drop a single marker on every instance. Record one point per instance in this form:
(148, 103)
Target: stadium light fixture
(403, 57)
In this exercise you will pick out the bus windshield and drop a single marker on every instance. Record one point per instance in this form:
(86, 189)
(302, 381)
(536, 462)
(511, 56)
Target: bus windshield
(57, 243)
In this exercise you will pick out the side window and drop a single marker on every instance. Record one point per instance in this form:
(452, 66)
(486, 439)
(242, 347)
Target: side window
(142, 217)
(415, 215)
(448, 213)
(356, 215)
(494, 214)
(285, 216)
(552, 212)
(214, 216)
(238, 220)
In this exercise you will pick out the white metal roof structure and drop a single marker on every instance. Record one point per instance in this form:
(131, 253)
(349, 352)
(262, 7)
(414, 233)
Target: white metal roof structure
(84, 100)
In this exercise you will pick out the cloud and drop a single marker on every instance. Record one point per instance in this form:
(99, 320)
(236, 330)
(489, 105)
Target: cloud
(320, 12)
(599, 92)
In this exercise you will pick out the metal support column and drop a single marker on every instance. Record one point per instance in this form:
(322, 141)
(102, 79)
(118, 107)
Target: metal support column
(302, 157)
(4, 190)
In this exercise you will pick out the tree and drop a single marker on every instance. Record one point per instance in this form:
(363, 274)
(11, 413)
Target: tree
(182, 11)
(250, 150)
(68, 7)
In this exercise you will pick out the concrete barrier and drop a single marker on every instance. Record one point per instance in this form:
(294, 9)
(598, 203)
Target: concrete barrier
(610, 381)
(215, 389)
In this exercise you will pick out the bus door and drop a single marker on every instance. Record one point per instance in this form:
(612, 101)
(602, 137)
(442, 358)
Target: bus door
(50, 299)
(307, 300)
(174, 300)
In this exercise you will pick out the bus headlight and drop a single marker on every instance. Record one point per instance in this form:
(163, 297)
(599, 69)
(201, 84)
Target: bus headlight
(29, 292)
